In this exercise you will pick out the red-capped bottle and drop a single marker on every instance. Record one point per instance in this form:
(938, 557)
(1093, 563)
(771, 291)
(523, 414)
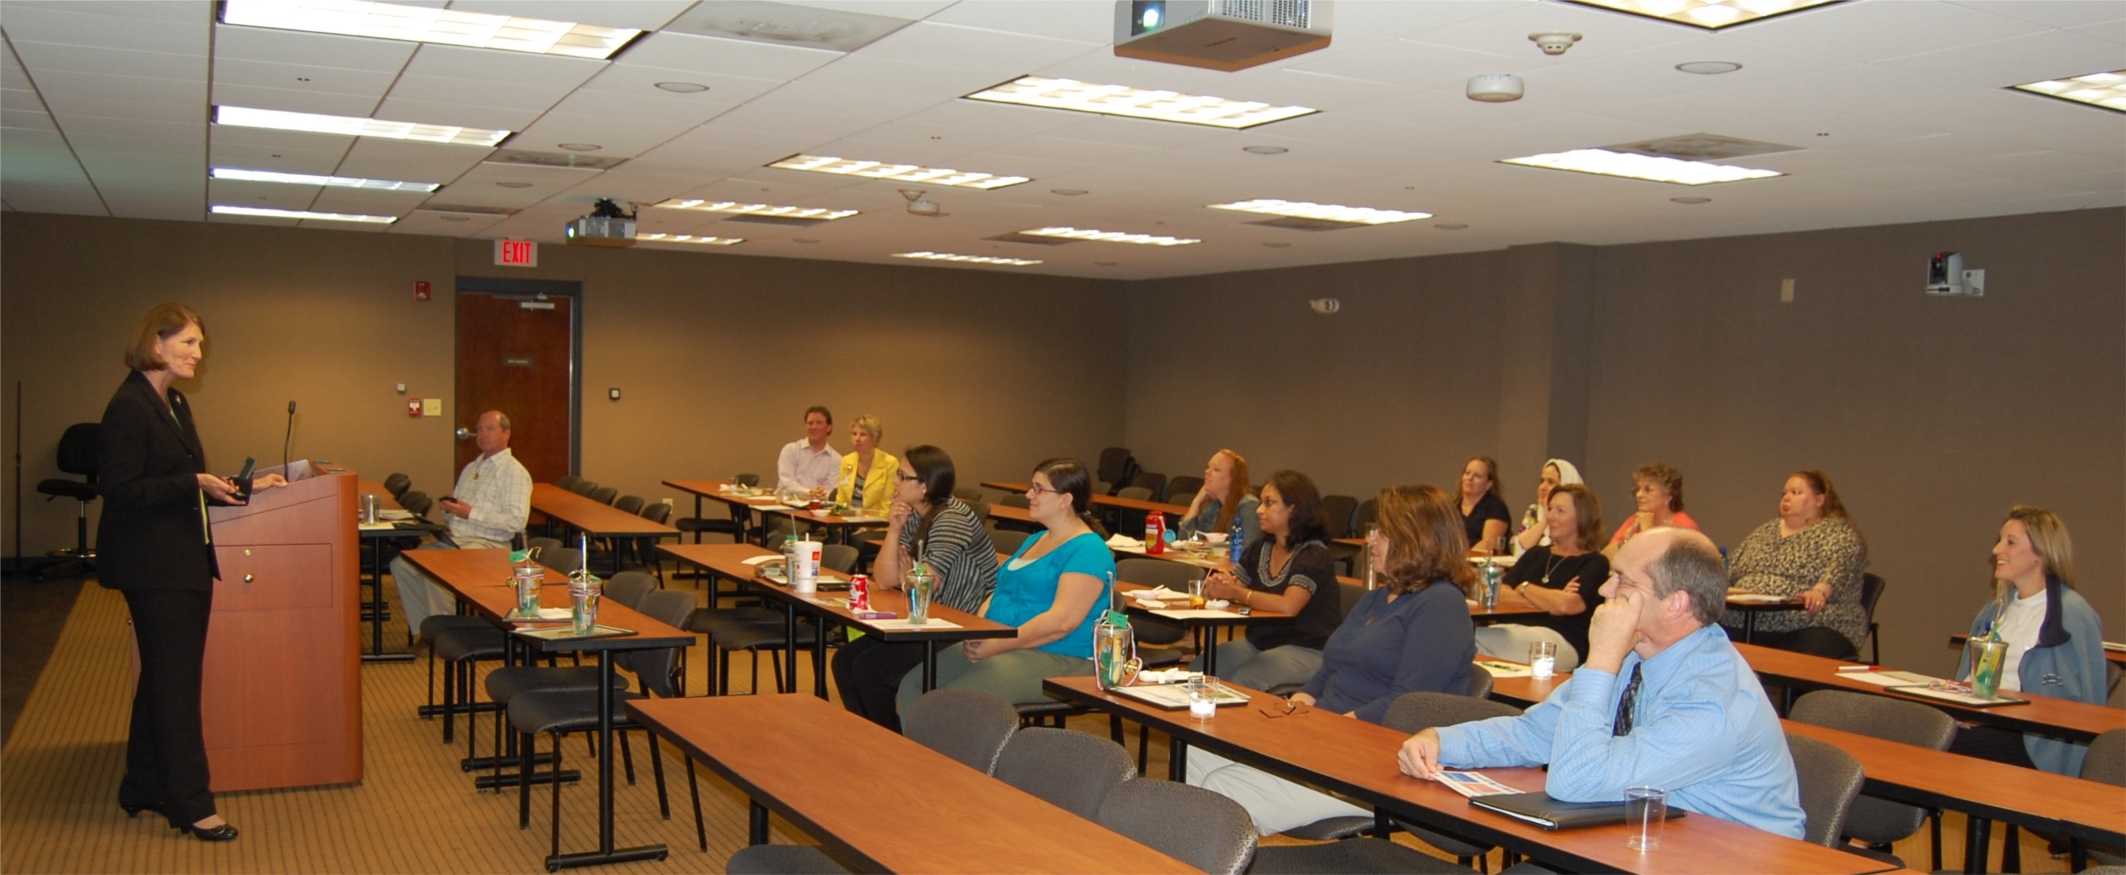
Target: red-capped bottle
(1154, 533)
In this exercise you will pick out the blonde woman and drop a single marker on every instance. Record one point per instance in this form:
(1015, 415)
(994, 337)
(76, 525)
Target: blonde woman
(2055, 639)
(867, 477)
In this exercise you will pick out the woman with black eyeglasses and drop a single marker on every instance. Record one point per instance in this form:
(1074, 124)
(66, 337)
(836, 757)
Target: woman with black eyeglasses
(924, 522)
(1051, 590)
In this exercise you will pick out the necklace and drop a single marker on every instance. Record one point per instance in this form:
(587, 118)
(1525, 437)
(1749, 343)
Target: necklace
(1550, 566)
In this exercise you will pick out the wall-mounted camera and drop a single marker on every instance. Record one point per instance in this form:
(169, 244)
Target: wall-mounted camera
(1947, 277)
(1326, 306)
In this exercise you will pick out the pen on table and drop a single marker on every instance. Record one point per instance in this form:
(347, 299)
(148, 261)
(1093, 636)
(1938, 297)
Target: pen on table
(1860, 668)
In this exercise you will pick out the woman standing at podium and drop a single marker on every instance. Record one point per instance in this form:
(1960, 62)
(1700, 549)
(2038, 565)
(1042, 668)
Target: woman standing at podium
(155, 545)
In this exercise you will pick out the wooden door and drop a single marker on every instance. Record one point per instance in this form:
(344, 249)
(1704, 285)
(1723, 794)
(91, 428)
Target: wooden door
(516, 354)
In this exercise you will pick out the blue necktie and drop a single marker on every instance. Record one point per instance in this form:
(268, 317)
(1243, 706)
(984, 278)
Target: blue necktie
(1631, 692)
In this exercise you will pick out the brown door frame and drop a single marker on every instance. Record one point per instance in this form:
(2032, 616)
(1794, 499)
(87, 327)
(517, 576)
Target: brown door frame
(529, 289)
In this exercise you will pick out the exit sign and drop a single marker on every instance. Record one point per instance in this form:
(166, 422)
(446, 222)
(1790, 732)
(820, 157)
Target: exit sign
(517, 253)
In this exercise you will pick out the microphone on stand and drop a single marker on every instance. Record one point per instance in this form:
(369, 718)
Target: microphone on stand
(285, 441)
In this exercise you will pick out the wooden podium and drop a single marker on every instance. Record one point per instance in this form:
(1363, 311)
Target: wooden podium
(282, 701)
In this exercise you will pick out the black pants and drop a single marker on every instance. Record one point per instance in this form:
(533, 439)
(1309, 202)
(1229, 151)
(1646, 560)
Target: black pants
(166, 753)
(1992, 743)
(868, 672)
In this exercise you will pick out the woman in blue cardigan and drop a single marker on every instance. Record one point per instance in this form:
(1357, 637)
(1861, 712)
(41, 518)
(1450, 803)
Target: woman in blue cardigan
(2055, 640)
(1413, 634)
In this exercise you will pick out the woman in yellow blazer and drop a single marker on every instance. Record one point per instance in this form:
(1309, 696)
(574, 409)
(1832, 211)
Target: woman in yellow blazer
(866, 481)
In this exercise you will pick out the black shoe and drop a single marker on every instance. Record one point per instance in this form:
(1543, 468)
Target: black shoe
(135, 810)
(222, 833)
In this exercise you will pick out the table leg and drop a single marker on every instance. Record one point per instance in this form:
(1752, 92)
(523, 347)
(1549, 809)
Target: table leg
(789, 647)
(1210, 652)
(930, 666)
(819, 661)
(606, 853)
(1176, 760)
(756, 823)
(1978, 843)
(1749, 627)
(376, 608)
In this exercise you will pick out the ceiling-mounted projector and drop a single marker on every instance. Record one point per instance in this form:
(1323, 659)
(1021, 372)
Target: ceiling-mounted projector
(1223, 35)
(605, 226)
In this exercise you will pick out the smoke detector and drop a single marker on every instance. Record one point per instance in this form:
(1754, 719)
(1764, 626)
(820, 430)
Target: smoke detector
(1495, 87)
(918, 206)
(1553, 42)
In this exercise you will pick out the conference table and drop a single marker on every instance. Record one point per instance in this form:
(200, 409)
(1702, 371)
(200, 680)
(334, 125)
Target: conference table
(2044, 715)
(1357, 759)
(595, 518)
(1984, 790)
(373, 539)
(838, 525)
(878, 802)
(1202, 622)
(481, 579)
(947, 625)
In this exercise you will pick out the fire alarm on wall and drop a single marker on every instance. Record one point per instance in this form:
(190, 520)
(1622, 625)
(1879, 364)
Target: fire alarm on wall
(413, 407)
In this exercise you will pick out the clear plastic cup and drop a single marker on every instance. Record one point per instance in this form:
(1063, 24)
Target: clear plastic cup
(1646, 812)
(1543, 659)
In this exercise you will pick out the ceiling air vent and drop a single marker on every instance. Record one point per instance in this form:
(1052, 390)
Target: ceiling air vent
(830, 29)
(568, 160)
(1016, 237)
(1298, 224)
(788, 221)
(465, 209)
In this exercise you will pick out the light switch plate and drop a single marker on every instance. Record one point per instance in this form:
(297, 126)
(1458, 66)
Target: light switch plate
(431, 407)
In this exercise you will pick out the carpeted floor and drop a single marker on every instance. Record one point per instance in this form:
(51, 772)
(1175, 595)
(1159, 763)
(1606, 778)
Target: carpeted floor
(414, 811)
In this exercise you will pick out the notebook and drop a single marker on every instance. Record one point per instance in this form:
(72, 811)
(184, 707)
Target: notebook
(1543, 811)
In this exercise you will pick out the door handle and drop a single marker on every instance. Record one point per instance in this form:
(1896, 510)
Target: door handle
(248, 578)
(464, 433)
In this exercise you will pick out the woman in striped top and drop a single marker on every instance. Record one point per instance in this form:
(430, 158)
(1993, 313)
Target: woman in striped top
(927, 523)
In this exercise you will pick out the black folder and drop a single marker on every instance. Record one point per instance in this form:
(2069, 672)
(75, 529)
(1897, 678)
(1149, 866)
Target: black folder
(1543, 811)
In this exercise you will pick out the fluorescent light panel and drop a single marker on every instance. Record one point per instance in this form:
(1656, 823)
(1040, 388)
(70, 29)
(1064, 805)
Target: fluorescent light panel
(421, 24)
(897, 172)
(228, 210)
(1122, 100)
(689, 238)
(1111, 236)
(1322, 212)
(245, 117)
(967, 259)
(2107, 90)
(820, 213)
(333, 181)
(1708, 14)
(1603, 162)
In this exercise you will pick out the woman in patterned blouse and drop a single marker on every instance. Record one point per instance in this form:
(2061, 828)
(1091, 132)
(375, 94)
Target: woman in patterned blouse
(1811, 552)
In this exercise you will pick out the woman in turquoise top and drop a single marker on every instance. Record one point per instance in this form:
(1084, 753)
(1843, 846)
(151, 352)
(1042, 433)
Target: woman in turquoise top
(1052, 590)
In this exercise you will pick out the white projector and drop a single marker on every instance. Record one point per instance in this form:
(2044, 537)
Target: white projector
(601, 231)
(1223, 35)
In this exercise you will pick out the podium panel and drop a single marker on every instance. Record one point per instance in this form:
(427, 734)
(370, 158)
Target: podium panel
(281, 699)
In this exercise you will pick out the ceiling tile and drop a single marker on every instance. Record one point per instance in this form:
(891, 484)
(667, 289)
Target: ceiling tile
(143, 108)
(632, 79)
(270, 46)
(638, 14)
(2051, 13)
(71, 24)
(729, 57)
(617, 139)
(1409, 19)
(1412, 64)
(1083, 21)
(25, 119)
(2017, 60)
(492, 65)
(59, 57)
(1868, 32)
(370, 84)
(424, 112)
(498, 95)
(401, 159)
(998, 52)
(252, 97)
(54, 84)
(249, 157)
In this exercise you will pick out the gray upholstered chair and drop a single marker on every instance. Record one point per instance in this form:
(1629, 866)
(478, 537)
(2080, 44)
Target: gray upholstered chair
(1071, 770)
(397, 484)
(1007, 541)
(1362, 855)
(1190, 824)
(1830, 779)
(967, 725)
(2106, 762)
(1877, 822)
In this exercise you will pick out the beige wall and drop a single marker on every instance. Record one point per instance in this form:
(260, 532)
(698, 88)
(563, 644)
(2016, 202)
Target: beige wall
(1933, 415)
(992, 367)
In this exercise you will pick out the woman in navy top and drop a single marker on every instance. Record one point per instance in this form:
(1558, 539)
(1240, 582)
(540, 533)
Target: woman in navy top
(1052, 589)
(1483, 513)
(1413, 634)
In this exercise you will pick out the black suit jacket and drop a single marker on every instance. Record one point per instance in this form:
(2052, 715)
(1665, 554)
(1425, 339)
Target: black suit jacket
(154, 534)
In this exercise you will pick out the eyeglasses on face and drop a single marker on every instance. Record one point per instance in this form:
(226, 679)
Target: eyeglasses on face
(906, 477)
(1038, 489)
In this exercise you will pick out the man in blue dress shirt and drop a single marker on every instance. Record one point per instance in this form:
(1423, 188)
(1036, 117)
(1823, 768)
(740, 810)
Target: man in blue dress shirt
(1662, 700)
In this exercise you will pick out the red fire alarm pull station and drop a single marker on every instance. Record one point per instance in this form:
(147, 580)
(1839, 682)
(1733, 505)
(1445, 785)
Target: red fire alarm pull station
(420, 290)
(413, 407)
(517, 253)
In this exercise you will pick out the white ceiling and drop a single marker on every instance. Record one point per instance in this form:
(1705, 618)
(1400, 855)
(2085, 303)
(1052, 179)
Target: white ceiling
(1898, 107)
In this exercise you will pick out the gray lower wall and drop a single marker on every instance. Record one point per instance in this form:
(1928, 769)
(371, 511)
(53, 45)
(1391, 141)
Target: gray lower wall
(1932, 415)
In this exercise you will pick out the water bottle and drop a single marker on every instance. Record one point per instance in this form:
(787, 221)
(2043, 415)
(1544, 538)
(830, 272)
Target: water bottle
(1114, 651)
(1233, 546)
(1491, 584)
(921, 583)
(789, 556)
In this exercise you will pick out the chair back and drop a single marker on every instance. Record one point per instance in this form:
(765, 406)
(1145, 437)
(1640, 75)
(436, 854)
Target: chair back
(1872, 820)
(605, 495)
(1830, 779)
(657, 513)
(1114, 461)
(629, 587)
(969, 494)
(1871, 587)
(658, 669)
(967, 725)
(1157, 572)
(747, 480)
(978, 507)
(1154, 482)
(1137, 493)
(839, 557)
(1480, 683)
(562, 559)
(1182, 489)
(1337, 511)
(1368, 514)
(397, 484)
(583, 487)
(1351, 593)
(1072, 770)
(1196, 826)
(1411, 712)
(567, 481)
(1007, 541)
(1014, 500)
(543, 544)
(416, 502)
(630, 503)
(2106, 760)
(79, 446)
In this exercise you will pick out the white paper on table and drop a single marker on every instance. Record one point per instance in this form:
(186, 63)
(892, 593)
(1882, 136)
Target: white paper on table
(1889, 678)
(392, 514)
(1125, 542)
(1505, 669)
(1168, 676)
(1472, 784)
(547, 614)
(772, 506)
(903, 623)
(863, 519)
(1195, 614)
(758, 561)
(1755, 598)
(1157, 593)
(375, 527)
(2115, 646)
